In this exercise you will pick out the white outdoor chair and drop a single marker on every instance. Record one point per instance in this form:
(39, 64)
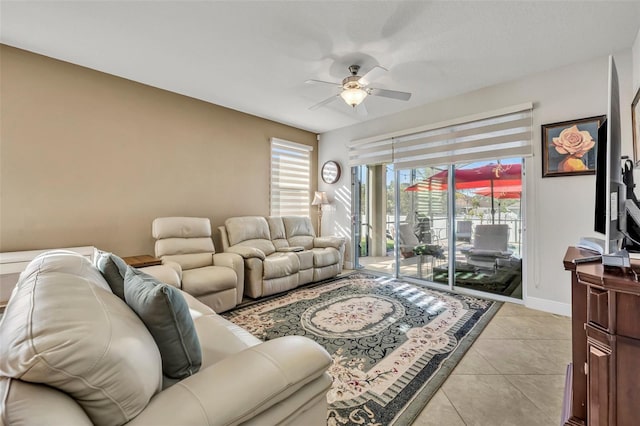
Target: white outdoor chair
(490, 243)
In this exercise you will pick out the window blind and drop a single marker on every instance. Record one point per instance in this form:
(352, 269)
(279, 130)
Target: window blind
(494, 135)
(376, 152)
(290, 178)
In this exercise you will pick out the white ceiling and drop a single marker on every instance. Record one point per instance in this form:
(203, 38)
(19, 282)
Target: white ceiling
(255, 56)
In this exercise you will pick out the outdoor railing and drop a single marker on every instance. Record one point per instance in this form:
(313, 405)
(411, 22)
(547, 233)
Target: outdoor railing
(440, 231)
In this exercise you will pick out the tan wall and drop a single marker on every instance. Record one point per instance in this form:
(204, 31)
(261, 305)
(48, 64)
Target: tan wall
(87, 158)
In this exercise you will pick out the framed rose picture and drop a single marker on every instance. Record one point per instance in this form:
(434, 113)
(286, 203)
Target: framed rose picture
(569, 147)
(635, 122)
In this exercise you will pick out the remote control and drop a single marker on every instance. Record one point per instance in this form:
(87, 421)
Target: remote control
(587, 259)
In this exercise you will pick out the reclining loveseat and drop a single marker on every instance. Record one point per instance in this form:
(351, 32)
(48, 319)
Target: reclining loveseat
(281, 253)
(74, 353)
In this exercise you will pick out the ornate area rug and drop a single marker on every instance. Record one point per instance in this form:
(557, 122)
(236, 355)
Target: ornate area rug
(393, 344)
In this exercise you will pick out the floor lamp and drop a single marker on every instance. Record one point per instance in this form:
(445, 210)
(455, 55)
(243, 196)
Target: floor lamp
(319, 199)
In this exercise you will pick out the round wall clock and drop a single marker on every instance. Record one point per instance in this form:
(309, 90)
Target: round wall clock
(330, 172)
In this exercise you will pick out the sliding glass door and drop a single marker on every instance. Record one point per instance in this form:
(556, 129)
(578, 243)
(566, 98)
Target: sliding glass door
(488, 224)
(453, 226)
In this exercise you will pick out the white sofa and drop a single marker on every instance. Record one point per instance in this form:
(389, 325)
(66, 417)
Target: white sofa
(281, 253)
(73, 353)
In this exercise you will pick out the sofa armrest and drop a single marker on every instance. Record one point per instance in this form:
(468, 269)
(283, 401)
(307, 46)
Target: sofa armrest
(241, 386)
(235, 262)
(322, 242)
(247, 252)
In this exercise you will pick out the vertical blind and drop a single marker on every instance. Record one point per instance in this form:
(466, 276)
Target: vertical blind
(290, 178)
(489, 136)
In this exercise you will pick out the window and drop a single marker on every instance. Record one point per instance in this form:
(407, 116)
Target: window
(290, 178)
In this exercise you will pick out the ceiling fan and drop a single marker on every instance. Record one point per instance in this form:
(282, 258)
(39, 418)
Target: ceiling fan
(355, 88)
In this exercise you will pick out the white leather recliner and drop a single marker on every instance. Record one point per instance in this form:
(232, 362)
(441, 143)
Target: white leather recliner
(216, 279)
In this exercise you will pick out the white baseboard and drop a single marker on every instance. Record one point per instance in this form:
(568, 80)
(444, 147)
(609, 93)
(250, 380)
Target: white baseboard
(550, 306)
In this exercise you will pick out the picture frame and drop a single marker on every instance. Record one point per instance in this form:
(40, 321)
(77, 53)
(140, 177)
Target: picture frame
(569, 147)
(635, 123)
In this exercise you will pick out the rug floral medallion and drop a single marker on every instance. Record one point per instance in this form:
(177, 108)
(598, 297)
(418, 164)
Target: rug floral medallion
(392, 343)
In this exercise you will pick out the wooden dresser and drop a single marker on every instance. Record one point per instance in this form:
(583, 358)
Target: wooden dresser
(605, 308)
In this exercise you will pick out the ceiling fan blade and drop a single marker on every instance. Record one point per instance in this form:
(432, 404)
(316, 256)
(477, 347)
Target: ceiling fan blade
(323, 82)
(393, 94)
(361, 110)
(323, 103)
(372, 75)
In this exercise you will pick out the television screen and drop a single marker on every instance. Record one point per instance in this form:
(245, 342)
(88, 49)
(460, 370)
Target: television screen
(600, 220)
(610, 210)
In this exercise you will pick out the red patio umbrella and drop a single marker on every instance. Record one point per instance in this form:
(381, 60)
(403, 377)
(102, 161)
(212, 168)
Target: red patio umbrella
(490, 176)
(501, 192)
(476, 177)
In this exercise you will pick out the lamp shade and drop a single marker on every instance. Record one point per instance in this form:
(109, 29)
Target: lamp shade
(353, 96)
(319, 198)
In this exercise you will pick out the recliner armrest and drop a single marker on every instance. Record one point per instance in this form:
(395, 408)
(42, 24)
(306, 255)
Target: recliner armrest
(175, 266)
(230, 260)
(241, 386)
(169, 273)
(322, 242)
(247, 252)
(235, 262)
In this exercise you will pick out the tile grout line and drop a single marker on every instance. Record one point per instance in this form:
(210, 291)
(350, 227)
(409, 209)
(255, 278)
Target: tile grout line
(525, 395)
(452, 404)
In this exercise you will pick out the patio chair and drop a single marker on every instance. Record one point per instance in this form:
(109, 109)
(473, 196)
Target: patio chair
(422, 229)
(490, 243)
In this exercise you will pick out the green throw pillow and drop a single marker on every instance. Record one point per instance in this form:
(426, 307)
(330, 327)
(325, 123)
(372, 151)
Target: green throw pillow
(113, 270)
(166, 314)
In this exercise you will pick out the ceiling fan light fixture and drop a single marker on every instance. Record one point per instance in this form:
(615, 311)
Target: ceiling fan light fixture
(353, 96)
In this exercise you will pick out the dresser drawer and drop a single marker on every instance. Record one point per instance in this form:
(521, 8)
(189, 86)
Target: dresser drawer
(598, 307)
(628, 315)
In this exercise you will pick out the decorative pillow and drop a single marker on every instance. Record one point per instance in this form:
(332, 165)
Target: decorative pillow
(113, 270)
(165, 312)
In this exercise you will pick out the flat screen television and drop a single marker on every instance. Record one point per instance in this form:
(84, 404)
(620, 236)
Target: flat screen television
(610, 209)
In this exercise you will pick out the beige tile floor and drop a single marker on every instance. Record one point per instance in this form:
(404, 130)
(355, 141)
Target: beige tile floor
(512, 375)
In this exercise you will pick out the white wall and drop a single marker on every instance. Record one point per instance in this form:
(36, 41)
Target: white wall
(636, 63)
(558, 210)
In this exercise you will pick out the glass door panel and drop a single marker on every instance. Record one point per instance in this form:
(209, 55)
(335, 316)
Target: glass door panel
(376, 207)
(422, 226)
(488, 245)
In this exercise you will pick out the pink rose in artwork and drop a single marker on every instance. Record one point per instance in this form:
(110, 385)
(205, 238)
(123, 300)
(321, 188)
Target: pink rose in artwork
(574, 142)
